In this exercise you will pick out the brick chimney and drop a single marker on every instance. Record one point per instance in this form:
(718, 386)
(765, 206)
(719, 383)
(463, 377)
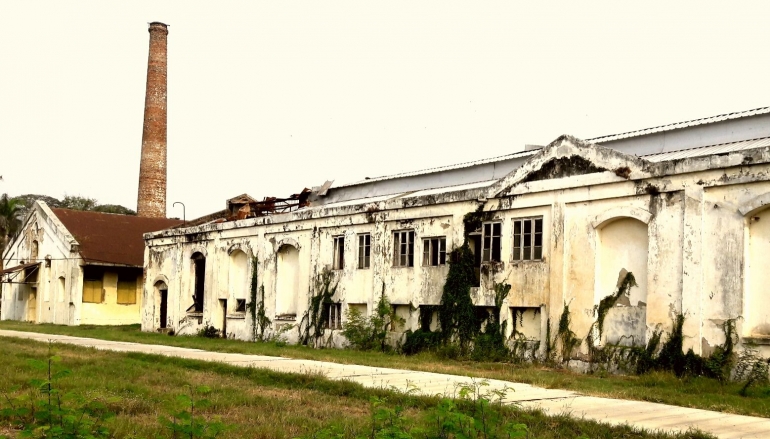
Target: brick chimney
(151, 200)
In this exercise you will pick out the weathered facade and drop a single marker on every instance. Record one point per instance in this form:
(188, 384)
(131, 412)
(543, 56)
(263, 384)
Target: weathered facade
(682, 207)
(73, 267)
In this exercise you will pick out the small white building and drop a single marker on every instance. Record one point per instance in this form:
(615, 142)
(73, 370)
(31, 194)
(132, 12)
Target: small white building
(73, 267)
(684, 207)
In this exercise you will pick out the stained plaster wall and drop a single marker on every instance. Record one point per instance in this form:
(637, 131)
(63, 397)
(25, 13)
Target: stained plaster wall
(52, 303)
(690, 268)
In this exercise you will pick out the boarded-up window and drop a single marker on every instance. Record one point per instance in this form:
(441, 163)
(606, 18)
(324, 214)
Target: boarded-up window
(93, 285)
(92, 291)
(126, 289)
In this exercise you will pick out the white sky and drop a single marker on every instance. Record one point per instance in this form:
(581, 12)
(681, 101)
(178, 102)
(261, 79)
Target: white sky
(271, 97)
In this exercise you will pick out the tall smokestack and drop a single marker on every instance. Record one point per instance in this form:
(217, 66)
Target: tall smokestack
(152, 170)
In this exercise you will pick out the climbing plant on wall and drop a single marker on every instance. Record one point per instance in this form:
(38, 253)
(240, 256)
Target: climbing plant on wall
(259, 320)
(313, 322)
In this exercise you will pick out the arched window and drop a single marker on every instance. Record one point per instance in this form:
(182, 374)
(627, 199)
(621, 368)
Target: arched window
(33, 251)
(287, 282)
(238, 281)
(622, 248)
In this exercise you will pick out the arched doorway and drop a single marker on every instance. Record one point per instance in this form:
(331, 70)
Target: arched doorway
(287, 281)
(199, 273)
(161, 303)
(622, 248)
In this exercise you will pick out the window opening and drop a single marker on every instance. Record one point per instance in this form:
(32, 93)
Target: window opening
(93, 285)
(434, 251)
(240, 305)
(364, 250)
(126, 289)
(491, 234)
(403, 244)
(333, 312)
(339, 252)
(528, 239)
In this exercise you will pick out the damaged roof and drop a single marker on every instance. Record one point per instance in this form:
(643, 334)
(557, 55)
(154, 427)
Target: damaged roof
(679, 125)
(111, 238)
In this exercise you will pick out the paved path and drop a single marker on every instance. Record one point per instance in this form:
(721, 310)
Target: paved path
(613, 411)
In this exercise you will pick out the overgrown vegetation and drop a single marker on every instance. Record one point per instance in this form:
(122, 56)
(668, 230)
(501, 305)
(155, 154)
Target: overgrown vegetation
(259, 403)
(256, 306)
(368, 333)
(313, 322)
(457, 315)
(657, 386)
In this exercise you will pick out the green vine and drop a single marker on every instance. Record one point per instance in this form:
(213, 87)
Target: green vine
(256, 307)
(569, 340)
(608, 302)
(313, 322)
(457, 315)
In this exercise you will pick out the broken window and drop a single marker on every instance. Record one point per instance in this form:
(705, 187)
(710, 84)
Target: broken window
(93, 284)
(434, 251)
(428, 317)
(126, 289)
(339, 252)
(240, 305)
(364, 250)
(528, 239)
(403, 248)
(333, 313)
(199, 263)
(491, 234)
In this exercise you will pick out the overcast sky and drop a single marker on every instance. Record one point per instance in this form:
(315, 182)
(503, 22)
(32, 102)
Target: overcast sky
(271, 97)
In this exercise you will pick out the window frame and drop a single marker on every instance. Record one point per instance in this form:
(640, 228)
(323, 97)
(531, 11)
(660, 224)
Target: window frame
(403, 255)
(520, 251)
(364, 251)
(488, 250)
(338, 252)
(333, 313)
(123, 291)
(430, 254)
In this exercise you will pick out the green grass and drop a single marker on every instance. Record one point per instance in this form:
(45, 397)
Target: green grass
(702, 393)
(257, 403)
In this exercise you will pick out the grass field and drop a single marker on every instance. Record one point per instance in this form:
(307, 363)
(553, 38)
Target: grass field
(664, 388)
(139, 388)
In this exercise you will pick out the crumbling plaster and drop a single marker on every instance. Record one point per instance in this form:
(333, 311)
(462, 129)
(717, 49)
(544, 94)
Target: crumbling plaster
(691, 209)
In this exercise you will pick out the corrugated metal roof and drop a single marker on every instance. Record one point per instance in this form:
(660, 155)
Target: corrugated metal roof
(722, 148)
(678, 125)
(442, 168)
(111, 238)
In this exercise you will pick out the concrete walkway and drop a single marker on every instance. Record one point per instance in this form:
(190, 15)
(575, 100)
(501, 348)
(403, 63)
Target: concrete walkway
(613, 411)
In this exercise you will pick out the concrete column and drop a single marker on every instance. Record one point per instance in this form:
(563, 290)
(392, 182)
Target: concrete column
(692, 268)
(152, 171)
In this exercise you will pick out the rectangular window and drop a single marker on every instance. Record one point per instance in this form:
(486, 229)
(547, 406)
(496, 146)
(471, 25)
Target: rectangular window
(403, 248)
(92, 291)
(339, 252)
(240, 305)
(126, 289)
(434, 251)
(364, 251)
(333, 313)
(490, 237)
(528, 239)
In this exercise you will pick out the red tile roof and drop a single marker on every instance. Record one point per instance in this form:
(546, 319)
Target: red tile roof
(111, 238)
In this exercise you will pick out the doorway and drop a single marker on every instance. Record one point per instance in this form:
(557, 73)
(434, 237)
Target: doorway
(223, 302)
(32, 305)
(163, 308)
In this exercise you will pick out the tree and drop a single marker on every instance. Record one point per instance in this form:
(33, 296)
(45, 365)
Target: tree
(10, 220)
(78, 203)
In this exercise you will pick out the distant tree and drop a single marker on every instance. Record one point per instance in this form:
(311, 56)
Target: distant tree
(114, 208)
(10, 221)
(78, 203)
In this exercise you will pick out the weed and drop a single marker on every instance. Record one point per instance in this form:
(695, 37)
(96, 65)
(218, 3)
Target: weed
(186, 423)
(208, 331)
(367, 333)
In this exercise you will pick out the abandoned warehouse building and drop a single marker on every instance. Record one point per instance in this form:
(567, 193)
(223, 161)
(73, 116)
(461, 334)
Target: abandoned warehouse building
(683, 207)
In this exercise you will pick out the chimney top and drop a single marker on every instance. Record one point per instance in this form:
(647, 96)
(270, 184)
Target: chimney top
(157, 25)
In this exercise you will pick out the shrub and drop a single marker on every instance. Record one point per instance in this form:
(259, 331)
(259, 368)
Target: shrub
(367, 333)
(420, 340)
(208, 331)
